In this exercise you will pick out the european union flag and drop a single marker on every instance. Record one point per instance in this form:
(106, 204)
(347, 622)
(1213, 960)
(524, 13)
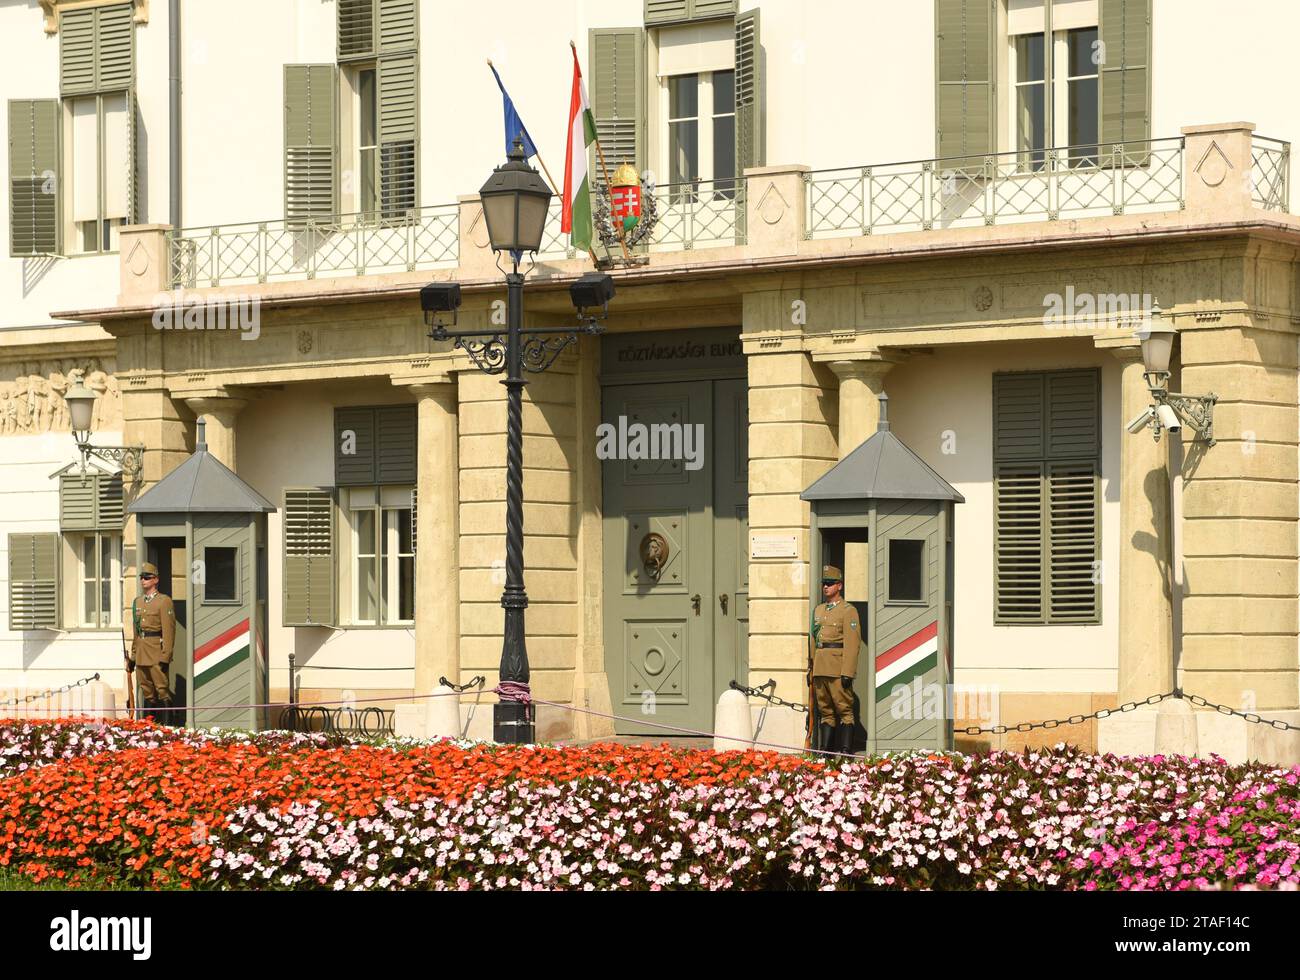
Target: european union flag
(515, 128)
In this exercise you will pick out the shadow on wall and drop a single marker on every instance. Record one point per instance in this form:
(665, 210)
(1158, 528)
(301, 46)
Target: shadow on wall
(35, 643)
(34, 270)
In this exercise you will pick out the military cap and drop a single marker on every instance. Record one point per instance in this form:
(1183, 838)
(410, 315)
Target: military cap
(831, 574)
(148, 568)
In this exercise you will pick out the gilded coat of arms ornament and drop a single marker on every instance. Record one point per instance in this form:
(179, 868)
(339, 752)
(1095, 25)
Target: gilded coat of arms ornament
(624, 214)
(654, 554)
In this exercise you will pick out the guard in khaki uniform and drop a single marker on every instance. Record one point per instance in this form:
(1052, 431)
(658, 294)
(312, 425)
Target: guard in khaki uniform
(154, 628)
(833, 646)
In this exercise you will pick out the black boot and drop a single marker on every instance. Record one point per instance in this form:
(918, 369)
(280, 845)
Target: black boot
(825, 737)
(147, 706)
(166, 716)
(844, 739)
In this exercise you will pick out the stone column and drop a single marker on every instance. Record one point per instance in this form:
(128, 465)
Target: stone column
(1146, 664)
(861, 383)
(220, 412)
(437, 560)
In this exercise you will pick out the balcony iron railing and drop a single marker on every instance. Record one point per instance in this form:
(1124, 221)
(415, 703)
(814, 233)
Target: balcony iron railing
(1270, 173)
(341, 245)
(1036, 185)
(699, 213)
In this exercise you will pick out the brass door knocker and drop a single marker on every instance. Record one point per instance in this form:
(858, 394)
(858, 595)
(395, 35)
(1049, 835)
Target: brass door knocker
(654, 554)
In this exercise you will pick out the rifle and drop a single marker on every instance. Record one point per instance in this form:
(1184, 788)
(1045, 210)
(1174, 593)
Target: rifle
(130, 681)
(810, 736)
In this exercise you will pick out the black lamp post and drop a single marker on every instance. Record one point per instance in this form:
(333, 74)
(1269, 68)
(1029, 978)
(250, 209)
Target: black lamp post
(515, 203)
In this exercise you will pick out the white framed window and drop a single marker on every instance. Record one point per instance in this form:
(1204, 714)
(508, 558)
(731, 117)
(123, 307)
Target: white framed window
(701, 130)
(98, 144)
(1053, 54)
(383, 555)
(99, 572)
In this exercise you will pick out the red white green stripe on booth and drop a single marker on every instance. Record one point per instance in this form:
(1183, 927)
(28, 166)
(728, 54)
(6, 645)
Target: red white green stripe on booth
(221, 654)
(905, 661)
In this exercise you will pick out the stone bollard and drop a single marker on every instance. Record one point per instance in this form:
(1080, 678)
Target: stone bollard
(1175, 728)
(732, 726)
(442, 714)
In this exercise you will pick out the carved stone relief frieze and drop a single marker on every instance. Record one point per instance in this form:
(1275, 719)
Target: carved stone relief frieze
(31, 394)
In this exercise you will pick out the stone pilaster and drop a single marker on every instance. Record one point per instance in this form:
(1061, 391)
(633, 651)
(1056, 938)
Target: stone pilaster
(220, 412)
(1146, 581)
(861, 383)
(437, 555)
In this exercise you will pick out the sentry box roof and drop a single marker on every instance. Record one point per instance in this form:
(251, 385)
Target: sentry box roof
(201, 484)
(882, 468)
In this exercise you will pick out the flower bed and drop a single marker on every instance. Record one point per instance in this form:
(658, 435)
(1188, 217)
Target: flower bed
(285, 811)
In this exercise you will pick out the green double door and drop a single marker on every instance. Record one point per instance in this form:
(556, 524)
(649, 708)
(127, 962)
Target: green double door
(676, 540)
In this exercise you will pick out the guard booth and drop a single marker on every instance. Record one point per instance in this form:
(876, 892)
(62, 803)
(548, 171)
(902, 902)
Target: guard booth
(205, 529)
(886, 518)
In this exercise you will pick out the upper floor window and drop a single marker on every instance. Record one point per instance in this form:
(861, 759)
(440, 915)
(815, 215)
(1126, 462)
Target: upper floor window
(1054, 67)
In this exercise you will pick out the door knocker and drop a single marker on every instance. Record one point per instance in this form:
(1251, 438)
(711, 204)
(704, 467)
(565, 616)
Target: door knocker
(654, 554)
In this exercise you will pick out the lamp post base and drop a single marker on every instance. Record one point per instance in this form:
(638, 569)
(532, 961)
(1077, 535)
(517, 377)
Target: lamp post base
(514, 723)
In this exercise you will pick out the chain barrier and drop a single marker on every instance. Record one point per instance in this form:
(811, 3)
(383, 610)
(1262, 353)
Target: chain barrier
(478, 682)
(1029, 726)
(1250, 716)
(767, 692)
(14, 702)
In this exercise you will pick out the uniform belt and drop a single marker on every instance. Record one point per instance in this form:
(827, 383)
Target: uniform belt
(151, 632)
(830, 646)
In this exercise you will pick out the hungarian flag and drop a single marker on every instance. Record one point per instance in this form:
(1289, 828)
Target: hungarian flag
(575, 219)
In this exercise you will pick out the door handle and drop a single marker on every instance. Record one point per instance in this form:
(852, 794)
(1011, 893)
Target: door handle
(722, 601)
(695, 603)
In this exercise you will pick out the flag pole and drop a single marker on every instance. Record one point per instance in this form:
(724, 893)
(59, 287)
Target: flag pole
(549, 179)
(604, 169)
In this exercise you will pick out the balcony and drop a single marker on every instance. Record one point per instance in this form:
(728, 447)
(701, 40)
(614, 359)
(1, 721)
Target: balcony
(776, 211)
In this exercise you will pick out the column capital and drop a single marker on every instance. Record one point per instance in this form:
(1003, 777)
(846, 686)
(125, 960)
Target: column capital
(215, 402)
(870, 371)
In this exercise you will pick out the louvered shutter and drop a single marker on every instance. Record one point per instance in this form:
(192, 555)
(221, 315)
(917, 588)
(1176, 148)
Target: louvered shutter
(398, 82)
(398, 25)
(358, 467)
(77, 502)
(109, 501)
(77, 52)
(356, 29)
(35, 182)
(1018, 543)
(33, 581)
(660, 12)
(618, 97)
(1125, 32)
(396, 444)
(114, 47)
(1047, 446)
(964, 63)
(132, 161)
(751, 109)
(415, 520)
(310, 141)
(309, 562)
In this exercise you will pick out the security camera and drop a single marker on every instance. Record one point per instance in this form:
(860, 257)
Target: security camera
(1142, 421)
(1169, 418)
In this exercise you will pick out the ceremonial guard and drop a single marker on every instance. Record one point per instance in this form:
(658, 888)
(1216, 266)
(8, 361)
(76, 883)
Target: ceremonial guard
(154, 627)
(833, 646)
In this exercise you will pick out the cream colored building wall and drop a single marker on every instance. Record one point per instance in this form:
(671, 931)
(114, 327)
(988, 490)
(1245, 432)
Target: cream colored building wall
(286, 439)
(1023, 658)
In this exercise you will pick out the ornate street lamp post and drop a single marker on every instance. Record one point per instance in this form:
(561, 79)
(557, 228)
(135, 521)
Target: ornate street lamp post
(515, 203)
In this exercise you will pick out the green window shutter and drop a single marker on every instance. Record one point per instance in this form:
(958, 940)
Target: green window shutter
(33, 581)
(109, 501)
(356, 29)
(397, 78)
(708, 9)
(78, 502)
(415, 520)
(132, 162)
(1047, 479)
(309, 559)
(35, 182)
(114, 47)
(354, 428)
(1018, 543)
(310, 141)
(751, 109)
(666, 11)
(396, 444)
(77, 51)
(398, 25)
(964, 66)
(1125, 32)
(618, 96)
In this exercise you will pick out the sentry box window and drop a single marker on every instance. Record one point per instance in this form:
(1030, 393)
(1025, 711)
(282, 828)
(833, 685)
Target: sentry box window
(907, 570)
(221, 575)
